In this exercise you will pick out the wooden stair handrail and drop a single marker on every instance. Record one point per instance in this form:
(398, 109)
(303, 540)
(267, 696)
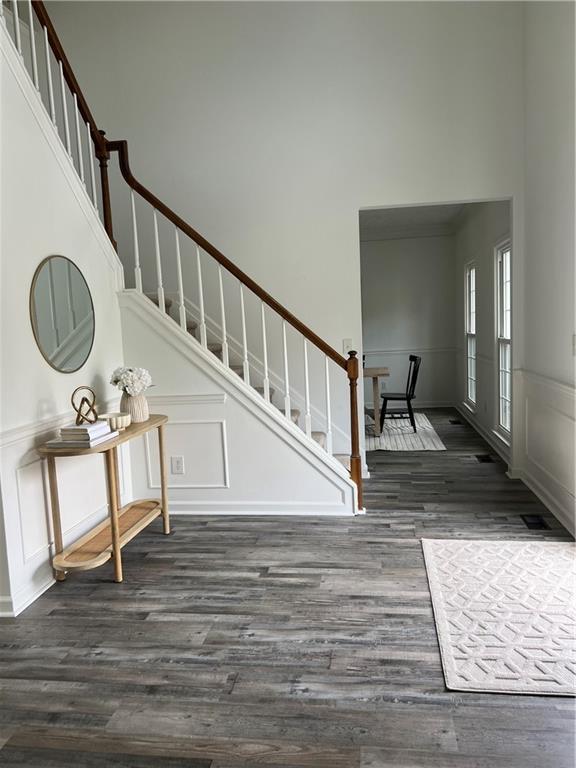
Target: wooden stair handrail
(122, 148)
(56, 45)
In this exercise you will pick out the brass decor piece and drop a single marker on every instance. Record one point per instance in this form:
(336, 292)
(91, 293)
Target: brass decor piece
(86, 409)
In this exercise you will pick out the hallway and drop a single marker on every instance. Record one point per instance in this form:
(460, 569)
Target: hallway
(295, 642)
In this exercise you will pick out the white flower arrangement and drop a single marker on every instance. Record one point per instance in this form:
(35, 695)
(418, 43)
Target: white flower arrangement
(133, 381)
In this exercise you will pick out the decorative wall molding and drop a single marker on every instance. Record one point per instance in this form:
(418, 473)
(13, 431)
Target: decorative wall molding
(545, 457)
(410, 351)
(216, 398)
(43, 427)
(223, 447)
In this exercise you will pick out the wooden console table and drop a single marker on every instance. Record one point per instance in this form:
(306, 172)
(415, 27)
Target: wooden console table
(106, 540)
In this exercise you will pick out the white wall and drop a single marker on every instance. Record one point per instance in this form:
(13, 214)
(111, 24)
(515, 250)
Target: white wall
(44, 210)
(408, 288)
(483, 226)
(269, 125)
(544, 384)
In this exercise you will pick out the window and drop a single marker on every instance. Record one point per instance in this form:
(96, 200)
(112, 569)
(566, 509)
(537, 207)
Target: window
(504, 335)
(471, 334)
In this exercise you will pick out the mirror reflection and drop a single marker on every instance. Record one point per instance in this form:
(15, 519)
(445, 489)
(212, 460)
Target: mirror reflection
(62, 314)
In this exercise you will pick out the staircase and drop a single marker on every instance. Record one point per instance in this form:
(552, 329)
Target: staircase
(222, 311)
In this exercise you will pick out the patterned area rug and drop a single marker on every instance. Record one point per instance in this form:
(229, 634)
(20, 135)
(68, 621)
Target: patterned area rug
(505, 614)
(398, 435)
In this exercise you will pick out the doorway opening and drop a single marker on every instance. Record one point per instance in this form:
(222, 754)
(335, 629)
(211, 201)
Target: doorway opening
(437, 286)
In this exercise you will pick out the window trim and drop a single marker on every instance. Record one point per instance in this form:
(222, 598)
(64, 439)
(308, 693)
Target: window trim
(468, 402)
(500, 247)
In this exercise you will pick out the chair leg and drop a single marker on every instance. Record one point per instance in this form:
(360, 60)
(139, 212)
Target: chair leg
(411, 415)
(383, 413)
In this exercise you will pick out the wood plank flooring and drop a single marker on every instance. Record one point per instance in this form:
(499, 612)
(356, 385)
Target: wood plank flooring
(302, 643)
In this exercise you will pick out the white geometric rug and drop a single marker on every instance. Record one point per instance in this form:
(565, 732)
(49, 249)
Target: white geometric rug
(505, 614)
(398, 435)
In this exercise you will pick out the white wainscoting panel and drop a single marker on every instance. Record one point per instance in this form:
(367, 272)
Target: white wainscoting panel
(202, 444)
(32, 493)
(546, 458)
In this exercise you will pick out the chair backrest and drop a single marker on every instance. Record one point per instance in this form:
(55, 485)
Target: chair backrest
(413, 369)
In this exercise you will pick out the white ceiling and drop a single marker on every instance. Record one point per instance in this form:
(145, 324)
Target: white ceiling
(411, 221)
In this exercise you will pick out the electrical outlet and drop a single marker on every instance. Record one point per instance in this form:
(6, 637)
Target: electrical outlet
(177, 465)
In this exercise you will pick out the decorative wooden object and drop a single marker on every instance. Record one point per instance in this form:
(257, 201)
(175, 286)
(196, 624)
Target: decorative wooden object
(86, 408)
(106, 540)
(374, 374)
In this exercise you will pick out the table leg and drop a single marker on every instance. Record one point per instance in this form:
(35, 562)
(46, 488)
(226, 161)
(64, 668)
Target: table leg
(56, 521)
(112, 482)
(163, 479)
(376, 396)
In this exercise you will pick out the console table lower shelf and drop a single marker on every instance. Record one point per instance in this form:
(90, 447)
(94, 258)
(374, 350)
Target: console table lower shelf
(96, 547)
(105, 541)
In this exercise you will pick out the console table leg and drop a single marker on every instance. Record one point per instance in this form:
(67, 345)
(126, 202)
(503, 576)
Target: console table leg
(56, 522)
(163, 480)
(112, 482)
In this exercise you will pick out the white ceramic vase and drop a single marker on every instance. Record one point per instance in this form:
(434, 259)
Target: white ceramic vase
(136, 406)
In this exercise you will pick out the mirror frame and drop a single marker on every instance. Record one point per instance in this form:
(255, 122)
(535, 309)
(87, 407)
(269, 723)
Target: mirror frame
(33, 313)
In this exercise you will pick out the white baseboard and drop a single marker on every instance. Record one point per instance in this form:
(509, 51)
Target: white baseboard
(256, 509)
(489, 436)
(26, 597)
(550, 502)
(6, 607)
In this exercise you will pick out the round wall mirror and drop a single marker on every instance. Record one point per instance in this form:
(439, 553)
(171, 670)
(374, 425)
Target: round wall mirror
(62, 314)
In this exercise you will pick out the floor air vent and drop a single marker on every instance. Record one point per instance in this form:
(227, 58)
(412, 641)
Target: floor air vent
(485, 458)
(535, 522)
(454, 421)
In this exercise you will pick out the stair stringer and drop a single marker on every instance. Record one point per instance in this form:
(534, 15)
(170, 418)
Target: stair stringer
(269, 466)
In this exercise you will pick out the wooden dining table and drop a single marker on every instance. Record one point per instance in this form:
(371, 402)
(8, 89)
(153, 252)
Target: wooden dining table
(375, 374)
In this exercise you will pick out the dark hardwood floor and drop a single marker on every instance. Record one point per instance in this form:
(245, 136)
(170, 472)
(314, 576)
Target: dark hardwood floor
(295, 642)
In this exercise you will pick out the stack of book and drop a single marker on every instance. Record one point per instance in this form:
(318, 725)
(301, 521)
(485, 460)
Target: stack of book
(83, 436)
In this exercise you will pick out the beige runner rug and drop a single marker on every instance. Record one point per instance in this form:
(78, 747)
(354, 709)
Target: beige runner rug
(398, 435)
(505, 614)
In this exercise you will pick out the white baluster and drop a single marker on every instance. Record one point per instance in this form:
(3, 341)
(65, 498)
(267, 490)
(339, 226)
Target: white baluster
(137, 270)
(203, 338)
(92, 174)
(64, 107)
(2, 19)
(328, 409)
(266, 381)
(308, 415)
(17, 26)
(161, 299)
(49, 76)
(245, 363)
(225, 358)
(32, 44)
(286, 377)
(78, 140)
(181, 305)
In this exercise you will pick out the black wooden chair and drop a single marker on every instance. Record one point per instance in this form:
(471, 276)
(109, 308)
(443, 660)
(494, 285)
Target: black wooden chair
(407, 396)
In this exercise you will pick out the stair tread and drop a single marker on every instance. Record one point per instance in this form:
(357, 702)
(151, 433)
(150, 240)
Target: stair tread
(154, 299)
(343, 458)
